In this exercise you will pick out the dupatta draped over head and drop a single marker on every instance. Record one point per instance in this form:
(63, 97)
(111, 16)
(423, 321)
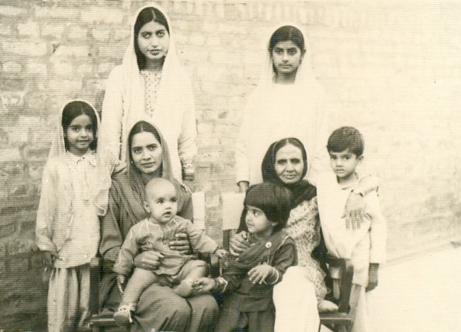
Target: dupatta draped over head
(127, 197)
(301, 190)
(274, 111)
(124, 104)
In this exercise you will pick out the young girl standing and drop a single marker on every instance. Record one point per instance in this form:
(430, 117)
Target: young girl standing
(248, 280)
(67, 230)
(149, 84)
(288, 102)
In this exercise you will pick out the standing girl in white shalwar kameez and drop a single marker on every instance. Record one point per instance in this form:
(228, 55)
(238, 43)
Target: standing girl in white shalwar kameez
(150, 84)
(288, 102)
(67, 230)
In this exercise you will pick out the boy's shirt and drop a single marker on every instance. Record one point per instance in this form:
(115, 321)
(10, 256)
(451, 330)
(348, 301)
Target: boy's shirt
(364, 245)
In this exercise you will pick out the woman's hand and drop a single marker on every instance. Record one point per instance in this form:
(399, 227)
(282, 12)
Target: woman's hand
(48, 259)
(238, 243)
(203, 285)
(188, 172)
(180, 243)
(148, 260)
(260, 273)
(243, 186)
(372, 277)
(354, 211)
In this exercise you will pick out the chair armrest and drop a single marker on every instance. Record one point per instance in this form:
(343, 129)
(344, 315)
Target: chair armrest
(347, 275)
(95, 278)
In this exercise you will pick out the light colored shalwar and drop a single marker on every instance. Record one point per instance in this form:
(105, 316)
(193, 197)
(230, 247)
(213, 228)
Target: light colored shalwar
(296, 297)
(363, 246)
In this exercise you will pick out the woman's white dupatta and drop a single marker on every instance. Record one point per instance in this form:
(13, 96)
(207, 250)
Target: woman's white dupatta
(275, 111)
(124, 104)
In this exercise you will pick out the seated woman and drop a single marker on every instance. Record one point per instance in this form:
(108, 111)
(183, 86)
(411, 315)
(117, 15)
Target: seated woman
(159, 308)
(300, 295)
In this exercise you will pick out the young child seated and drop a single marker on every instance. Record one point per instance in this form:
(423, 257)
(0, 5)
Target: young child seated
(154, 233)
(248, 279)
(363, 247)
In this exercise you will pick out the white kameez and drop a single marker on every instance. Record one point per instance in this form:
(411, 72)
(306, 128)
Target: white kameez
(132, 95)
(275, 111)
(68, 226)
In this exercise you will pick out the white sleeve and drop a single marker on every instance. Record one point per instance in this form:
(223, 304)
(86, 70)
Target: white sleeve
(110, 133)
(187, 147)
(378, 232)
(241, 149)
(46, 211)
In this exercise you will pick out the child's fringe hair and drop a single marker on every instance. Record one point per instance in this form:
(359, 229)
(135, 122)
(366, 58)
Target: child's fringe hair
(274, 200)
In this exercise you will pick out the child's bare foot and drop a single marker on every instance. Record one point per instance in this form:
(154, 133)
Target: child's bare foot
(327, 306)
(184, 289)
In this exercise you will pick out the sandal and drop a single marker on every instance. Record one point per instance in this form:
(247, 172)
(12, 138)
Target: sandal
(123, 314)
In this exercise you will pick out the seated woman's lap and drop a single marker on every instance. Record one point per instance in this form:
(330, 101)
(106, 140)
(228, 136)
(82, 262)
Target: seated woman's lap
(161, 309)
(295, 302)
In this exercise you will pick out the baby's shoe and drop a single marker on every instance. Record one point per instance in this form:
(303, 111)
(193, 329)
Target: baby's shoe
(327, 306)
(123, 314)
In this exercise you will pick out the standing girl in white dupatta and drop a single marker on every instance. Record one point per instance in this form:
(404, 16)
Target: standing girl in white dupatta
(288, 102)
(149, 84)
(67, 230)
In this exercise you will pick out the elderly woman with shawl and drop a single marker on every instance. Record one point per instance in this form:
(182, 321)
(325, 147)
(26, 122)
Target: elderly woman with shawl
(149, 84)
(300, 295)
(159, 308)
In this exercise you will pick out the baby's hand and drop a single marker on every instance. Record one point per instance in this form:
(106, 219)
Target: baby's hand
(203, 285)
(260, 273)
(121, 279)
(221, 253)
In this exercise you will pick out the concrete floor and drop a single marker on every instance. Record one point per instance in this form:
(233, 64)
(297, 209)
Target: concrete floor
(419, 294)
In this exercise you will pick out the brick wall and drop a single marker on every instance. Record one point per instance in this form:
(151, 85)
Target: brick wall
(392, 67)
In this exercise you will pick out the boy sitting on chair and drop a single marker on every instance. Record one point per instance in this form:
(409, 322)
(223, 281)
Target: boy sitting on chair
(363, 247)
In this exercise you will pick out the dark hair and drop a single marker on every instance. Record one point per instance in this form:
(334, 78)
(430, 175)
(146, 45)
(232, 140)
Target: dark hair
(346, 138)
(285, 33)
(268, 164)
(273, 200)
(75, 109)
(147, 15)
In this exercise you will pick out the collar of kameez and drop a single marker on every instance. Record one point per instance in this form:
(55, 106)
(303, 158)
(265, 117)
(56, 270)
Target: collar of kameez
(89, 157)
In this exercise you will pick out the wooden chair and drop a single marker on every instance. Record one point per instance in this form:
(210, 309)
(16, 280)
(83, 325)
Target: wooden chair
(343, 319)
(103, 321)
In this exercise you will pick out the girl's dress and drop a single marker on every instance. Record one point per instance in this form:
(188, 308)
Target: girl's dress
(68, 225)
(275, 111)
(164, 98)
(248, 304)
